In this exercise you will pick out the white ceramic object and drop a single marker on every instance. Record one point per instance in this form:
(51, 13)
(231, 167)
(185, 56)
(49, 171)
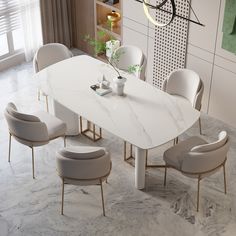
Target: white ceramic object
(146, 117)
(119, 85)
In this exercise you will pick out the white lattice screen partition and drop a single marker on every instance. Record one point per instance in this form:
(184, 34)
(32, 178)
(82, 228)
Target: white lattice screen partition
(170, 42)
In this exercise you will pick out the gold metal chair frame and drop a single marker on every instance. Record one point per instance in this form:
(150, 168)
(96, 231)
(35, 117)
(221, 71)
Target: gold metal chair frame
(90, 132)
(100, 183)
(199, 174)
(46, 96)
(32, 148)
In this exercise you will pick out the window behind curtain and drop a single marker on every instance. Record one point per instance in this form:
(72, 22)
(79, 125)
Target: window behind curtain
(11, 36)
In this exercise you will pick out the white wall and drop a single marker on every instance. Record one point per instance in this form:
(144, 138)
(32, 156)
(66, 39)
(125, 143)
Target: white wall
(216, 66)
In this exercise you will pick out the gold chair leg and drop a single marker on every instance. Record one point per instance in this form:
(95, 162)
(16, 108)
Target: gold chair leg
(177, 140)
(38, 95)
(64, 141)
(131, 150)
(100, 132)
(32, 149)
(198, 191)
(146, 159)
(165, 176)
(9, 151)
(47, 103)
(125, 150)
(33, 162)
(94, 134)
(62, 197)
(103, 207)
(225, 187)
(200, 126)
(80, 124)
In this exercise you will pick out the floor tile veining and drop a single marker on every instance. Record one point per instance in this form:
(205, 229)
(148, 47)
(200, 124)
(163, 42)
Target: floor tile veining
(32, 207)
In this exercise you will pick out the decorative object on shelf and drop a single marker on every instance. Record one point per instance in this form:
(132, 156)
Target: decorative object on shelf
(147, 6)
(111, 2)
(111, 46)
(229, 27)
(113, 18)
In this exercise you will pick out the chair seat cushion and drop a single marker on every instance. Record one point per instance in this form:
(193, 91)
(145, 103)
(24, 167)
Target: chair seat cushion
(82, 152)
(55, 126)
(174, 156)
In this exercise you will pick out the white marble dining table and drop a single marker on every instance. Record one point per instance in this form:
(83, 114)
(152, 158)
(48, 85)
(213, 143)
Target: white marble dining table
(145, 116)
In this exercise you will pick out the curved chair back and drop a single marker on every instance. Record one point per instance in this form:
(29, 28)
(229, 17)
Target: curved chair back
(198, 99)
(126, 56)
(50, 54)
(185, 83)
(206, 158)
(27, 129)
(85, 167)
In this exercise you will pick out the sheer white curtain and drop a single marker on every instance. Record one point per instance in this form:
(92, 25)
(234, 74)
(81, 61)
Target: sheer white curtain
(31, 25)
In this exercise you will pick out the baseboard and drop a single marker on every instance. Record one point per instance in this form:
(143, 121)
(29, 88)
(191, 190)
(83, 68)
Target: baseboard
(12, 61)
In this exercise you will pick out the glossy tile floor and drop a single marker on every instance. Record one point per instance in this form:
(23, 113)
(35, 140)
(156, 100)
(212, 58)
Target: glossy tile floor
(32, 207)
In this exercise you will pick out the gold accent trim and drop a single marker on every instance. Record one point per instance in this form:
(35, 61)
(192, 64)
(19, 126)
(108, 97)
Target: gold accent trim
(126, 159)
(64, 141)
(38, 94)
(90, 132)
(62, 197)
(200, 126)
(131, 157)
(9, 148)
(32, 149)
(103, 207)
(46, 96)
(225, 184)
(198, 191)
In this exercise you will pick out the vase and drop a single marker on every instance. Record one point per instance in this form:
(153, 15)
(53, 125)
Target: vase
(113, 17)
(119, 85)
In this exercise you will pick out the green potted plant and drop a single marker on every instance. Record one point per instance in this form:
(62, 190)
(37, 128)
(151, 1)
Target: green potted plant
(100, 48)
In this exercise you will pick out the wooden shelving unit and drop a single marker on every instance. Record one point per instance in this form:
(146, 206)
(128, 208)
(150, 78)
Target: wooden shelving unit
(101, 10)
(115, 7)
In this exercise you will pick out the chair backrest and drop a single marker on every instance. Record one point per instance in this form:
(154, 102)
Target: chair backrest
(50, 54)
(207, 157)
(185, 83)
(127, 56)
(198, 99)
(83, 163)
(26, 128)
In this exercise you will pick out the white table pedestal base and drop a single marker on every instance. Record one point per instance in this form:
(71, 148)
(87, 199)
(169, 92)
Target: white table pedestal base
(69, 117)
(140, 159)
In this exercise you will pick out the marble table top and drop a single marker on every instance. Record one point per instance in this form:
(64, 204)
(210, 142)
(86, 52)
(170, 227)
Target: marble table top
(145, 116)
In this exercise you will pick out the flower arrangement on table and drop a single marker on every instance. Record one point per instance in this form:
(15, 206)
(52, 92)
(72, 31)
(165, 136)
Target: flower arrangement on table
(100, 46)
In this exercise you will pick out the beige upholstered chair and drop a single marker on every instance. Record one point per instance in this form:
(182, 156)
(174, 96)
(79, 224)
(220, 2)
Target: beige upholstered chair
(196, 158)
(83, 166)
(33, 130)
(186, 83)
(128, 56)
(47, 55)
